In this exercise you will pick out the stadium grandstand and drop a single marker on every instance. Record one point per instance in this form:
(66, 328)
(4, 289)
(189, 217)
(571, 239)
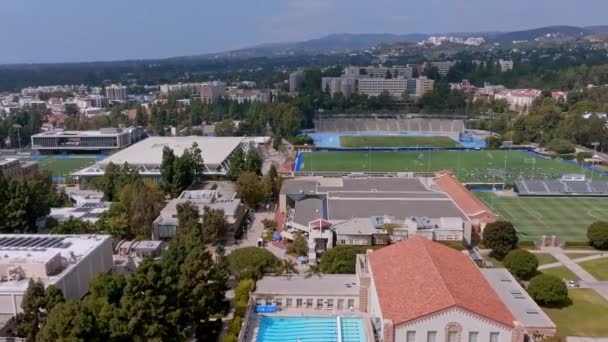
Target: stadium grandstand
(411, 125)
(568, 185)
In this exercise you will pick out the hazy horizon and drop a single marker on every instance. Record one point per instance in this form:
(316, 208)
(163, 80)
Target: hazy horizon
(40, 31)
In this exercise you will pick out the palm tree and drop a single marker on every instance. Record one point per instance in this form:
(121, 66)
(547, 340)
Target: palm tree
(287, 267)
(313, 269)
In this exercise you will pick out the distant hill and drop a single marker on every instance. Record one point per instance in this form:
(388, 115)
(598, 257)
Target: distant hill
(529, 35)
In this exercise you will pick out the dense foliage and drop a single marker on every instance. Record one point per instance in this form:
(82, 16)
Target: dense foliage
(341, 259)
(597, 234)
(521, 263)
(500, 237)
(252, 262)
(548, 290)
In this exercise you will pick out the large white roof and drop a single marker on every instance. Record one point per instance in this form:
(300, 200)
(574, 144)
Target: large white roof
(214, 150)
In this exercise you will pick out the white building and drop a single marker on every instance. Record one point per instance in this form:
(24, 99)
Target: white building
(248, 95)
(116, 93)
(396, 87)
(345, 85)
(88, 212)
(505, 65)
(518, 99)
(66, 261)
(103, 140)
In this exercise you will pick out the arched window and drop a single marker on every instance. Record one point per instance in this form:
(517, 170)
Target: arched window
(452, 332)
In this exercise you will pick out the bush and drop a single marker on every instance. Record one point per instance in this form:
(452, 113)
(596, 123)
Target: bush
(493, 143)
(299, 246)
(561, 146)
(235, 325)
(341, 259)
(548, 290)
(500, 237)
(581, 156)
(251, 262)
(243, 289)
(597, 233)
(302, 140)
(521, 263)
(230, 338)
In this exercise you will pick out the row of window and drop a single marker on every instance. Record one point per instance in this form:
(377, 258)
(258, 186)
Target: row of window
(431, 336)
(309, 303)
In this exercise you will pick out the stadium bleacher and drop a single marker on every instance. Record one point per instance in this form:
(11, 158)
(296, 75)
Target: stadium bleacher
(418, 125)
(561, 188)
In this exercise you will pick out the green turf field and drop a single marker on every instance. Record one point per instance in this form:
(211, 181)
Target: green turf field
(566, 217)
(468, 166)
(350, 141)
(63, 167)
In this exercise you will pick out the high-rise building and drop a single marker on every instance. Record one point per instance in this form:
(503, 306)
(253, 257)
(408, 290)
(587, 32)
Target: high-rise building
(443, 67)
(344, 85)
(211, 91)
(116, 93)
(370, 86)
(295, 80)
(505, 65)
(423, 85)
(381, 71)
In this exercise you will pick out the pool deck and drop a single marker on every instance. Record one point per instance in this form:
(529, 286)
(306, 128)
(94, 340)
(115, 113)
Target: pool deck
(253, 323)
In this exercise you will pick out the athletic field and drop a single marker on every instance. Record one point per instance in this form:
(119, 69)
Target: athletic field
(62, 166)
(566, 217)
(468, 166)
(358, 141)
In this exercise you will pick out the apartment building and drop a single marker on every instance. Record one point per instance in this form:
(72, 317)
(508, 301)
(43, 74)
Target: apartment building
(346, 85)
(295, 80)
(190, 88)
(505, 65)
(249, 95)
(211, 91)
(396, 87)
(423, 85)
(116, 93)
(443, 67)
(380, 71)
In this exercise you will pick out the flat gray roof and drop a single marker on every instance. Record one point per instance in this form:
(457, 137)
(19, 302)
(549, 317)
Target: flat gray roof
(214, 150)
(308, 209)
(356, 226)
(345, 209)
(326, 284)
(521, 305)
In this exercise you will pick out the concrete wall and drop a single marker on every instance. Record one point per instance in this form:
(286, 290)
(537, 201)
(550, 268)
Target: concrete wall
(264, 299)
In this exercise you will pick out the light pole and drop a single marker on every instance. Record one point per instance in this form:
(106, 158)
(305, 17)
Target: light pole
(490, 127)
(18, 127)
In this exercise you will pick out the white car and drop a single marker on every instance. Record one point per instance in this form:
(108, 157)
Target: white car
(572, 283)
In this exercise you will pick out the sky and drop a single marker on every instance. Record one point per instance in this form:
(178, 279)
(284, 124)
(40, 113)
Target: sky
(35, 31)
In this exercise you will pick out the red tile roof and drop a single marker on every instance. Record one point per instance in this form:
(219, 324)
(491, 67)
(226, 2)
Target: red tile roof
(472, 206)
(418, 277)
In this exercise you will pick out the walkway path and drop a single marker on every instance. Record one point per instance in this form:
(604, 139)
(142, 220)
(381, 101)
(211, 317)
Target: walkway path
(577, 260)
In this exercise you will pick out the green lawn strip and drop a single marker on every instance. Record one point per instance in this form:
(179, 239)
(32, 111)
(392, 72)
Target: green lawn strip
(495, 263)
(598, 268)
(350, 141)
(545, 258)
(586, 317)
(578, 255)
(562, 272)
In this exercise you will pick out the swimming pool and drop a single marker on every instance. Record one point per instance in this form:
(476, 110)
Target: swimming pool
(310, 329)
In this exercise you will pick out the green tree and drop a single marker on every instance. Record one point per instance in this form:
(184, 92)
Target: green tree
(286, 267)
(597, 234)
(74, 226)
(493, 143)
(140, 117)
(36, 304)
(69, 321)
(250, 189)
(340, 259)
(521, 263)
(561, 146)
(548, 290)
(167, 170)
(251, 262)
(501, 237)
(253, 161)
(225, 128)
(237, 164)
(214, 224)
(299, 246)
(188, 218)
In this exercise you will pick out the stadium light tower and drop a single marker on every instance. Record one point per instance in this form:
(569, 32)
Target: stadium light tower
(18, 127)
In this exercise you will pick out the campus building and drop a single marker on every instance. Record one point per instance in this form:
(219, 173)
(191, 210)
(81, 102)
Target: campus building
(296, 79)
(368, 211)
(17, 169)
(380, 71)
(371, 86)
(105, 140)
(518, 99)
(211, 91)
(116, 93)
(146, 156)
(67, 261)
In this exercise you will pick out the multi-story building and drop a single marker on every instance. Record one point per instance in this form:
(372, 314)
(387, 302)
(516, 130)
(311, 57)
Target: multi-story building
(518, 99)
(105, 140)
(370, 86)
(16, 169)
(423, 85)
(380, 71)
(505, 65)
(67, 261)
(116, 93)
(295, 80)
(91, 101)
(443, 67)
(190, 88)
(211, 91)
(346, 85)
(249, 95)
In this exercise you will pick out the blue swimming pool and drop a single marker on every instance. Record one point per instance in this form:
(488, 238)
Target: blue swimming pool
(310, 329)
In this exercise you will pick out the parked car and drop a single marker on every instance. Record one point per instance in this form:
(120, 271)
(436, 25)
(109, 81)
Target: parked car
(572, 283)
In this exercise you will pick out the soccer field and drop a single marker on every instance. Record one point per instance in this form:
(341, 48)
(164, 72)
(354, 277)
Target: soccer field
(358, 141)
(61, 167)
(566, 217)
(468, 166)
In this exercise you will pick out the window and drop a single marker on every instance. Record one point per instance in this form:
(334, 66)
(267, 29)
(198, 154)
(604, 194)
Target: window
(340, 304)
(351, 303)
(268, 302)
(452, 336)
(431, 336)
(258, 301)
(473, 335)
(319, 303)
(494, 337)
(279, 302)
(330, 303)
(299, 303)
(411, 336)
(288, 302)
(309, 303)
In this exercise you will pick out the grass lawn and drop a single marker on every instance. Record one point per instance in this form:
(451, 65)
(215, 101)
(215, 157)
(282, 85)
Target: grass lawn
(578, 255)
(585, 317)
(545, 258)
(351, 141)
(562, 272)
(468, 166)
(598, 268)
(495, 263)
(62, 167)
(566, 217)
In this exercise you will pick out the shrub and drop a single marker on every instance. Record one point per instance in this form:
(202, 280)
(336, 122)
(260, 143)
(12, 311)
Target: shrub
(597, 233)
(243, 289)
(235, 326)
(521, 263)
(299, 246)
(340, 259)
(251, 262)
(230, 338)
(302, 140)
(500, 237)
(493, 143)
(548, 290)
(581, 156)
(561, 146)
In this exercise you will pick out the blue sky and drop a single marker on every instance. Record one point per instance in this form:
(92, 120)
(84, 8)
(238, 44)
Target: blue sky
(91, 30)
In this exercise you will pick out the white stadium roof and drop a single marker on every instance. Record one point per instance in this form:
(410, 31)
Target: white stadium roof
(214, 150)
